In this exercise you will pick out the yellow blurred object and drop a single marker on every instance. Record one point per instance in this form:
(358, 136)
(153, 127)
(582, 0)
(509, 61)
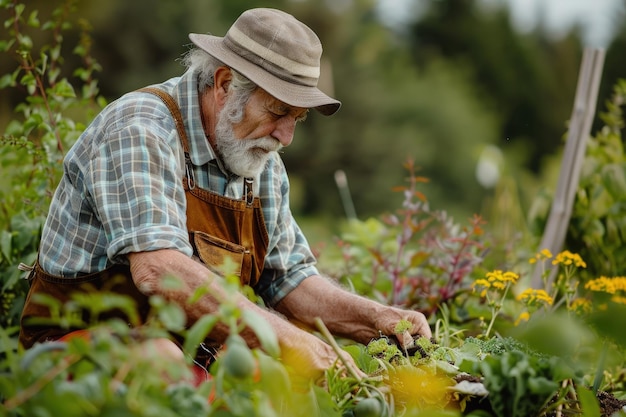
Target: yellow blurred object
(419, 387)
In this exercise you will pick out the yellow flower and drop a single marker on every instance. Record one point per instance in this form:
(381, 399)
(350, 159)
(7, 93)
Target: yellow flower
(484, 284)
(607, 285)
(531, 296)
(510, 277)
(527, 293)
(419, 387)
(580, 305)
(522, 317)
(493, 275)
(542, 255)
(568, 258)
(499, 285)
(618, 299)
(543, 296)
(498, 275)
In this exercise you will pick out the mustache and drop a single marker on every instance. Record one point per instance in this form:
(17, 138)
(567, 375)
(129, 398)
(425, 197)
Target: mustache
(268, 144)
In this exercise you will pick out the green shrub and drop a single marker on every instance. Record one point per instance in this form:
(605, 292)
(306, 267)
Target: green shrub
(51, 112)
(597, 230)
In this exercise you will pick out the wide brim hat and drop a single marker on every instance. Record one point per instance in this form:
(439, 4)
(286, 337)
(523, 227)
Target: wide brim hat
(277, 52)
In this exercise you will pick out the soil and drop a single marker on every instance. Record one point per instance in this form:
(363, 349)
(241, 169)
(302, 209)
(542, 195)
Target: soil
(609, 404)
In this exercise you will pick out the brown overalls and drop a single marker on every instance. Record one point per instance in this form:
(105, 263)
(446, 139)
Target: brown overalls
(219, 228)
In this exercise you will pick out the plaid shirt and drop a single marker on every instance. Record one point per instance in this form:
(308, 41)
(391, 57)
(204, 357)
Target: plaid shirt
(122, 192)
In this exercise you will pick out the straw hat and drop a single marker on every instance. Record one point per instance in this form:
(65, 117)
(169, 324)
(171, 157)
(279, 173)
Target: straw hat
(277, 52)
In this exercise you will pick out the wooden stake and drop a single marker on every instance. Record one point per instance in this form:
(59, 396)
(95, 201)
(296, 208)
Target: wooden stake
(573, 157)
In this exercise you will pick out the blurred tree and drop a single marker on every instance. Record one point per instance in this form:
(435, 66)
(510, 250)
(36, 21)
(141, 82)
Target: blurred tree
(459, 80)
(139, 41)
(529, 79)
(391, 112)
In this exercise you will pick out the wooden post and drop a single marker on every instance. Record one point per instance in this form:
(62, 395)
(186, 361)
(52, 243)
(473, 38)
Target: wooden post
(578, 134)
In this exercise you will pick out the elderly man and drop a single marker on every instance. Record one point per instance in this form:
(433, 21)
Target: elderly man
(176, 178)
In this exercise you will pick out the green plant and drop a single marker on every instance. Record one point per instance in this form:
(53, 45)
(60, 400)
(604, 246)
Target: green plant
(114, 372)
(416, 258)
(49, 111)
(495, 288)
(519, 384)
(597, 230)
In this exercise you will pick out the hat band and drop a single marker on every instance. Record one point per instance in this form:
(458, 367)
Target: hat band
(288, 69)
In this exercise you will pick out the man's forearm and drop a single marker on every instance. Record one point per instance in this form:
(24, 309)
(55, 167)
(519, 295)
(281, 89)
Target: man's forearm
(148, 269)
(302, 350)
(345, 314)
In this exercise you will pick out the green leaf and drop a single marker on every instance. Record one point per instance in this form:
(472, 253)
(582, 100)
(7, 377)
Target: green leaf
(27, 231)
(198, 332)
(5, 245)
(610, 322)
(19, 9)
(566, 334)
(366, 362)
(265, 408)
(588, 402)
(173, 317)
(80, 50)
(63, 89)
(542, 385)
(5, 45)
(7, 80)
(614, 179)
(263, 331)
(33, 20)
(26, 43)
(274, 377)
(55, 53)
(28, 80)
(320, 403)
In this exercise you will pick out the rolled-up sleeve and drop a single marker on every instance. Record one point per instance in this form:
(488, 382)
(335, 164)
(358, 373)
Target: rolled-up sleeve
(134, 181)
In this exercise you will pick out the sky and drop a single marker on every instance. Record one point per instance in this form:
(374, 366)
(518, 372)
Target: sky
(598, 18)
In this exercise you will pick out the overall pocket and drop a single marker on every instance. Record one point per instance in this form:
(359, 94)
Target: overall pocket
(222, 257)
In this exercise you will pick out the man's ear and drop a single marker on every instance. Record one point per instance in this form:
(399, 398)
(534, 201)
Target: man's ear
(222, 78)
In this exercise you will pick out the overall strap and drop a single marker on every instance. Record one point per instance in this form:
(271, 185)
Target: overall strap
(180, 127)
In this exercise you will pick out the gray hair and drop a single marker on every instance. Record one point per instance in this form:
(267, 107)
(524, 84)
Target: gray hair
(206, 64)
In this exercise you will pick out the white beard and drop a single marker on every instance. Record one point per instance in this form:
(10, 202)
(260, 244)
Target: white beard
(243, 157)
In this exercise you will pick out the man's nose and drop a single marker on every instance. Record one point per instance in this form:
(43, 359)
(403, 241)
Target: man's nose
(284, 130)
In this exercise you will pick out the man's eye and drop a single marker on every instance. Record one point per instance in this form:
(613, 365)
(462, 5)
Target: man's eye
(276, 114)
(302, 118)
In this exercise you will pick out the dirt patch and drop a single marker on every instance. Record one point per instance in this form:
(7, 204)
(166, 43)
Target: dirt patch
(609, 404)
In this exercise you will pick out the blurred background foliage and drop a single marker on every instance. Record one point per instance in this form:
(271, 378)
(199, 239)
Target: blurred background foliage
(457, 90)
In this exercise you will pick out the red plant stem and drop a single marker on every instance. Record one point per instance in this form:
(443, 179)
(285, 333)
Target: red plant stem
(452, 280)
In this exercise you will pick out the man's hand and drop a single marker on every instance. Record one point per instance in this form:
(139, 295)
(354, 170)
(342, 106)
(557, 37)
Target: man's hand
(307, 354)
(346, 314)
(308, 357)
(388, 319)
